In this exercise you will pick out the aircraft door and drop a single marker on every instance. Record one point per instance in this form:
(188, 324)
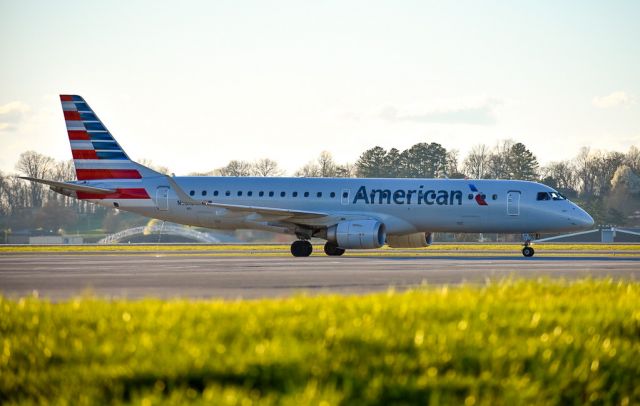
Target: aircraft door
(513, 203)
(162, 198)
(345, 196)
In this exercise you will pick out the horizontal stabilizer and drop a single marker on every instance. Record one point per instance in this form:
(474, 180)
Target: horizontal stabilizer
(69, 186)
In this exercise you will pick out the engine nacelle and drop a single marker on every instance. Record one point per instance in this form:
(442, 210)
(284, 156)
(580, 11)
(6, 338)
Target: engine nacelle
(358, 234)
(415, 240)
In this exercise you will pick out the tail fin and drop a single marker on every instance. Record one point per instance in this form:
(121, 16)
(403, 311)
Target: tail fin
(96, 154)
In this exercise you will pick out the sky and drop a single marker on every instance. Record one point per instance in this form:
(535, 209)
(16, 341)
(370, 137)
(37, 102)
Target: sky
(191, 85)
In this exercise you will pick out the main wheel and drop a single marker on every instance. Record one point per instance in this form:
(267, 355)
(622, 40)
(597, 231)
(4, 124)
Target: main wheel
(301, 248)
(528, 251)
(332, 249)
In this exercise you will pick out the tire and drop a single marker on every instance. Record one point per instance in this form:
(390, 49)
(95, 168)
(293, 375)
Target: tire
(528, 252)
(332, 249)
(301, 248)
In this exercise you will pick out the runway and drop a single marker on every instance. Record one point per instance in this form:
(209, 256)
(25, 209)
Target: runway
(137, 275)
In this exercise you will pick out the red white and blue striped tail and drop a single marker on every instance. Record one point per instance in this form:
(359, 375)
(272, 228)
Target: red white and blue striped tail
(96, 153)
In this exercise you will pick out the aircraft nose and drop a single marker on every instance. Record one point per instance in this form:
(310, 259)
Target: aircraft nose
(582, 219)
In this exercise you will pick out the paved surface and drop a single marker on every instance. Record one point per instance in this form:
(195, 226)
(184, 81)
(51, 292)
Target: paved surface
(169, 275)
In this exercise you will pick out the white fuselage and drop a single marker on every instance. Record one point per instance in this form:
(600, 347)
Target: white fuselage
(403, 205)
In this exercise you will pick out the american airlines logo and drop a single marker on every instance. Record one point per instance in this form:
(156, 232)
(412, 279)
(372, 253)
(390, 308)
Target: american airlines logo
(478, 196)
(408, 196)
(416, 196)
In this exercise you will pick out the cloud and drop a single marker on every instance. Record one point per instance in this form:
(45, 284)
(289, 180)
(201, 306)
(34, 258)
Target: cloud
(482, 114)
(11, 114)
(614, 99)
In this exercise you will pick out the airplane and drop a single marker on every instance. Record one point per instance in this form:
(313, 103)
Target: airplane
(349, 213)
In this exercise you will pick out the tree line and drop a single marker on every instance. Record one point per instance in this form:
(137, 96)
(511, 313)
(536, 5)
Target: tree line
(606, 183)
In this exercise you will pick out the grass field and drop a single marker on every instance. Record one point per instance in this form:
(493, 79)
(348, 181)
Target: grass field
(514, 342)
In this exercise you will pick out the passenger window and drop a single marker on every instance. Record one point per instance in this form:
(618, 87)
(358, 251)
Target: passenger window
(306, 194)
(333, 194)
(227, 193)
(215, 193)
(239, 192)
(270, 194)
(204, 193)
(494, 197)
(345, 194)
(543, 196)
(283, 194)
(261, 193)
(249, 193)
(294, 194)
(191, 193)
(319, 194)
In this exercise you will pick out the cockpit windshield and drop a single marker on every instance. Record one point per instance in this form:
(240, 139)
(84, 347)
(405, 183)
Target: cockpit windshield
(550, 196)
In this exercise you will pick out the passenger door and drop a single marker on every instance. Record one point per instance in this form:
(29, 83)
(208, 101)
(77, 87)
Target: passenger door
(162, 198)
(513, 203)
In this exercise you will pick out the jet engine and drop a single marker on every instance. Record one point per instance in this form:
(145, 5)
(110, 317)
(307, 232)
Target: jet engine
(358, 234)
(415, 240)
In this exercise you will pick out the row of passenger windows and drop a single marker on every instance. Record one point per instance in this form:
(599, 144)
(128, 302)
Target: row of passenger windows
(493, 197)
(270, 194)
(295, 194)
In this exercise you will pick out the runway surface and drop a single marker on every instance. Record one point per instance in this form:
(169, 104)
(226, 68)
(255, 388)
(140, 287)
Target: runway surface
(60, 276)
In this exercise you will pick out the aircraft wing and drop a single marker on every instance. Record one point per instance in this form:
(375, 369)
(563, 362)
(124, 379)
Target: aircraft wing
(70, 187)
(269, 211)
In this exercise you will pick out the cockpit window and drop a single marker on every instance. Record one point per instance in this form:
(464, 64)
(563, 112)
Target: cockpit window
(550, 196)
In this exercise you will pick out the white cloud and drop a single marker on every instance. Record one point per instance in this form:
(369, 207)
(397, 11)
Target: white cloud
(14, 107)
(614, 99)
(478, 114)
(11, 114)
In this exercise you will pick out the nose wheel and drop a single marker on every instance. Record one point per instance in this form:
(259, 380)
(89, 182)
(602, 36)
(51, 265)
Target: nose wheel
(528, 251)
(301, 248)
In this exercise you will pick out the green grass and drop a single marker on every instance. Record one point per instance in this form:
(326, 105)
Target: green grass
(522, 342)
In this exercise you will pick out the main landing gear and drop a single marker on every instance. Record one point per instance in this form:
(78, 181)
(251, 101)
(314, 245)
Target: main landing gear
(301, 248)
(332, 249)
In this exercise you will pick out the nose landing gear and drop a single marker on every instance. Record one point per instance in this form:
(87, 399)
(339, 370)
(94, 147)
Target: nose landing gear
(527, 250)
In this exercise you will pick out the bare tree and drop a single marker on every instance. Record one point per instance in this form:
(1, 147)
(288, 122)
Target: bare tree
(499, 160)
(561, 175)
(632, 159)
(325, 167)
(266, 167)
(158, 168)
(310, 170)
(35, 165)
(476, 164)
(235, 168)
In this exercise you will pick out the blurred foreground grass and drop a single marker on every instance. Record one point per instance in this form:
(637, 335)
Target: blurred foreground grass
(513, 342)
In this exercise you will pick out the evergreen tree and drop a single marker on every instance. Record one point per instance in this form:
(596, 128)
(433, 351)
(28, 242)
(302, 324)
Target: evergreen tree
(522, 164)
(372, 163)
